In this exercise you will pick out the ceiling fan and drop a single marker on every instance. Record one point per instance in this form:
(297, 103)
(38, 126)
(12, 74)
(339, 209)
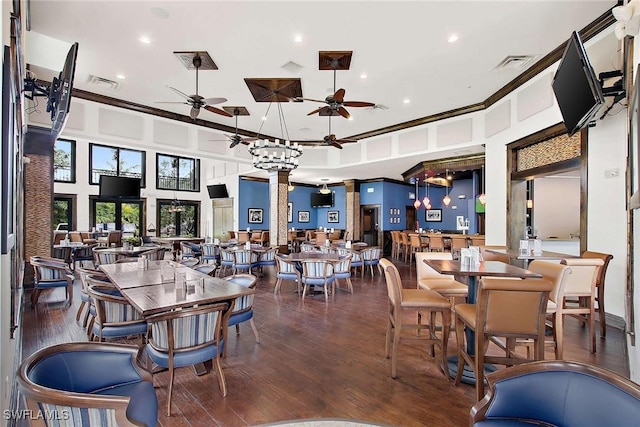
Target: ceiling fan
(336, 103)
(236, 138)
(329, 139)
(196, 101)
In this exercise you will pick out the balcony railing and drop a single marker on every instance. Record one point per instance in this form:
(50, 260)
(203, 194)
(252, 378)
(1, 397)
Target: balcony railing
(62, 173)
(95, 174)
(169, 183)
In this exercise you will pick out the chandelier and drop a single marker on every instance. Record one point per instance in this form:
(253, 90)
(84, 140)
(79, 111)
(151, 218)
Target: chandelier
(176, 206)
(272, 155)
(482, 198)
(447, 200)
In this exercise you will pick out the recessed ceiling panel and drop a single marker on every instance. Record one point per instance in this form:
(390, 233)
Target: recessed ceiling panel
(274, 89)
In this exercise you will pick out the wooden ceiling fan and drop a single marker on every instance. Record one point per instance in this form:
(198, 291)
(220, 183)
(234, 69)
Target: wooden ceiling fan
(329, 139)
(335, 103)
(196, 101)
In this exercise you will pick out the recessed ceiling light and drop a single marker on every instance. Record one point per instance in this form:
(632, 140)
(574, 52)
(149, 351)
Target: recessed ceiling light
(363, 75)
(264, 118)
(298, 38)
(350, 118)
(144, 39)
(120, 76)
(453, 38)
(406, 101)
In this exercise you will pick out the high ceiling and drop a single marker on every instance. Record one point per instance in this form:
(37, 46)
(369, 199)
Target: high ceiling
(401, 47)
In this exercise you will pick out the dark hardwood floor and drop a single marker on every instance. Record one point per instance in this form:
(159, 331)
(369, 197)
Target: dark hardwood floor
(315, 360)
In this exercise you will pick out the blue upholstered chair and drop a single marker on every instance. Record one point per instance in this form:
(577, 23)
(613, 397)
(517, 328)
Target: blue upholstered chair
(190, 250)
(104, 256)
(558, 392)
(342, 270)
(115, 317)
(84, 295)
(89, 384)
(51, 273)
(371, 257)
(186, 337)
(156, 254)
(244, 260)
(84, 254)
(286, 271)
(268, 258)
(226, 261)
(242, 310)
(317, 273)
(209, 253)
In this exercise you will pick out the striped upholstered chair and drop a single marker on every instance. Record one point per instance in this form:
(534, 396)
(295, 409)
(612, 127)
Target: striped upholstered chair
(317, 273)
(88, 384)
(115, 317)
(186, 337)
(50, 273)
(286, 271)
(242, 310)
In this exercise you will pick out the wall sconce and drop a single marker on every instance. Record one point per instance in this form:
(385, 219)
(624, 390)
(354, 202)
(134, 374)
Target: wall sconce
(529, 204)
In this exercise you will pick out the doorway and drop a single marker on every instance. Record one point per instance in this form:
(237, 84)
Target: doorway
(411, 222)
(222, 218)
(126, 216)
(370, 224)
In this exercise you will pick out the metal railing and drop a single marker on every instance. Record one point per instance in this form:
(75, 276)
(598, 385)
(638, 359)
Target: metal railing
(169, 183)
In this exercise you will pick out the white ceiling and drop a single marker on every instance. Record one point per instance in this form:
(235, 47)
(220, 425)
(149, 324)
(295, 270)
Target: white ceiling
(401, 46)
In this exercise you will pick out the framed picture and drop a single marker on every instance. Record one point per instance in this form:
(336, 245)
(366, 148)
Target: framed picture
(333, 216)
(303, 216)
(433, 215)
(289, 212)
(255, 216)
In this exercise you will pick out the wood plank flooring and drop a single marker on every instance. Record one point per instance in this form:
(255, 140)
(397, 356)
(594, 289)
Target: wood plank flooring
(315, 360)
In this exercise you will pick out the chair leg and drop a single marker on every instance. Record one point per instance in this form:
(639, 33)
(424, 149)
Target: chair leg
(592, 330)
(255, 330)
(558, 334)
(387, 337)
(349, 285)
(601, 312)
(86, 317)
(34, 297)
(479, 367)
(460, 339)
(221, 380)
(394, 348)
(237, 329)
(276, 290)
(446, 329)
(170, 392)
(79, 313)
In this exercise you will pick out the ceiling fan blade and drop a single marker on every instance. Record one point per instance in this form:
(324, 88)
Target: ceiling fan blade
(194, 113)
(235, 142)
(214, 101)
(358, 104)
(182, 94)
(171, 102)
(335, 144)
(317, 110)
(339, 95)
(309, 99)
(217, 111)
(345, 141)
(343, 112)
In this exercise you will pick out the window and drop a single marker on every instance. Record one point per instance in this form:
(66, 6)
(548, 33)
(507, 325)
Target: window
(116, 215)
(105, 160)
(177, 173)
(64, 161)
(182, 223)
(63, 211)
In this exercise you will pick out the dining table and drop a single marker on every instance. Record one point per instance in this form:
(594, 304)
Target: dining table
(472, 272)
(129, 251)
(528, 256)
(174, 242)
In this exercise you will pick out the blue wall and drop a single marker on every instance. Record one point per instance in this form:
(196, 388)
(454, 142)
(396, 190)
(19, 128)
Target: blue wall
(393, 199)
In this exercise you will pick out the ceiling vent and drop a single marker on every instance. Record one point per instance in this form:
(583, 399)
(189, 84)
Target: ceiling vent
(103, 83)
(515, 62)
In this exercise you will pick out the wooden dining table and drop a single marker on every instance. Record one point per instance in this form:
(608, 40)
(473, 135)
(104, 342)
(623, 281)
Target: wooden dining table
(133, 251)
(530, 255)
(472, 273)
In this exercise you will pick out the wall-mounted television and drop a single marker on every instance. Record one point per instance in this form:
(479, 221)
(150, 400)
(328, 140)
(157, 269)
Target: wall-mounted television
(319, 200)
(60, 92)
(576, 87)
(119, 187)
(218, 191)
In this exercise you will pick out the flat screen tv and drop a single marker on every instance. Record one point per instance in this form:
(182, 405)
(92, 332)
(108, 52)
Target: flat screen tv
(119, 187)
(60, 92)
(576, 87)
(218, 191)
(319, 200)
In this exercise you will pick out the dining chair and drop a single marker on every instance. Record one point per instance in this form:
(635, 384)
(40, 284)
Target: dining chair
(416, 245)
(580, 293)
(50, 273)
(87, 239)
(243, 236)
(307, 247)
(445, 284)
(342, 270)
(458, 242)
(436, 242)
(64, 253)
(371, 258)
(490, 256)
(557, 275)
(104, 256)
(226, 261)
(242, 309)
(88, 384)
(85, 300)
(82, 255)
(606, 258)
(156, 254)
(404, 246)
(286, 270)
(268, 258)
(232, 235)
(59, 236)
(209, 253)
(421, 301)
(507, 309)
(74, 236)
(114, 238)
(244, 260)
(115, 316)
(185, 337)
(317, 273)
(476, 240)
(190, 250)
(394, 243)
(321, 238)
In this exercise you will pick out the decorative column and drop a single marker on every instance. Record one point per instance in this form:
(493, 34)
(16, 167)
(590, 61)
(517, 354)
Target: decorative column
(38, 195)
(353, 208)
(278, 201)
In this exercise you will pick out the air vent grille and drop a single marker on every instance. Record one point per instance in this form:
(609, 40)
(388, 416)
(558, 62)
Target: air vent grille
(515, 62)
(103, 83)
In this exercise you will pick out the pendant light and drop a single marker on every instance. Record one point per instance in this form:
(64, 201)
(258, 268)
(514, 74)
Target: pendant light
(426, 202)
(482, 198)
(416, 204)
(447, 200)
